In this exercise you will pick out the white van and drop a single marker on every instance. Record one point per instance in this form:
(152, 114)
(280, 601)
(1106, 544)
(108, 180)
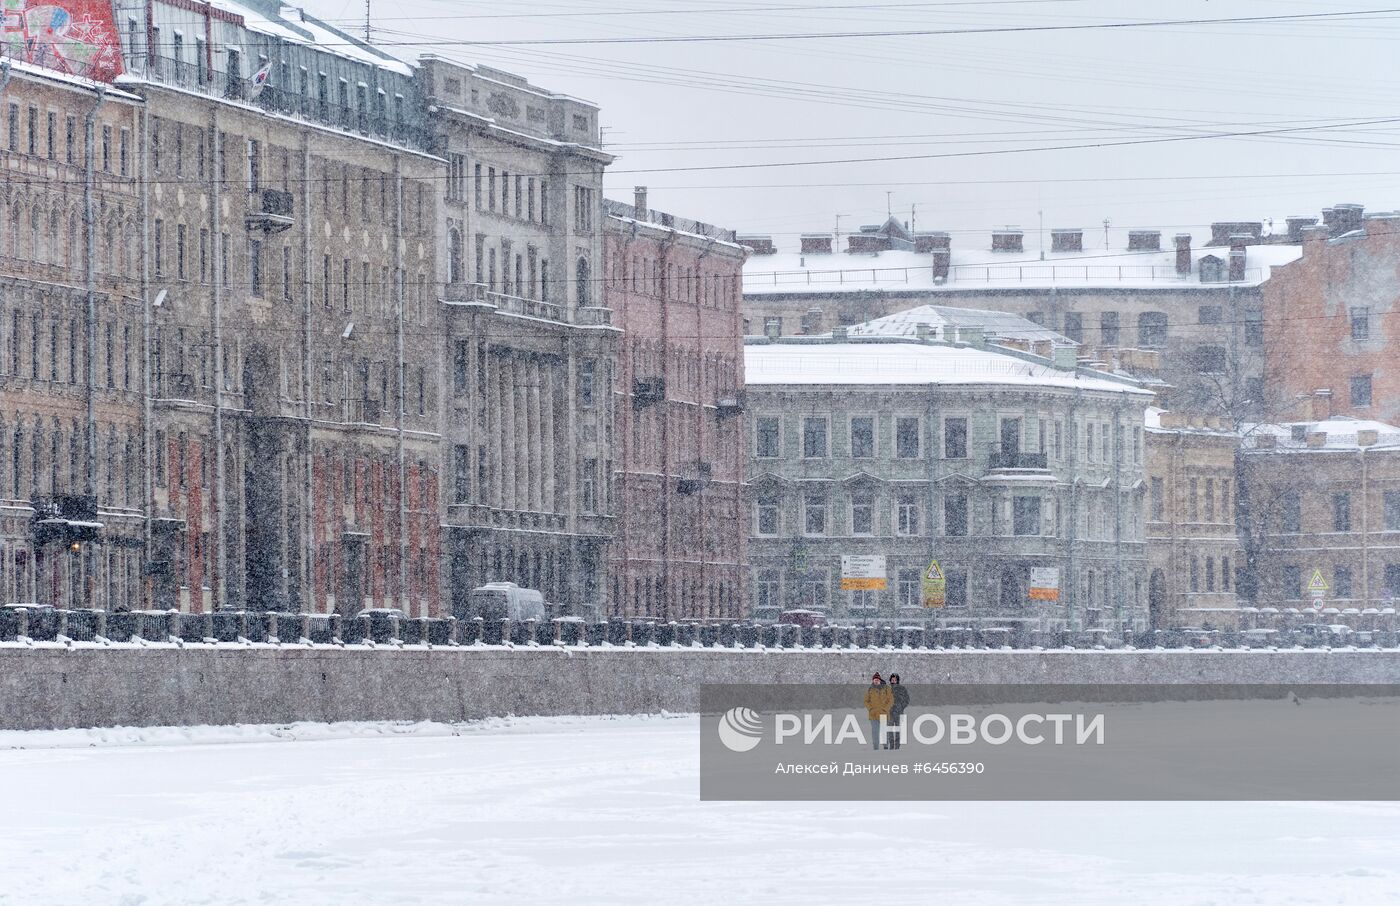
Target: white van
(505, 601)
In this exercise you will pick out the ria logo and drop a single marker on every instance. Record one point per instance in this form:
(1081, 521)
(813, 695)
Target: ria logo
(740, 729)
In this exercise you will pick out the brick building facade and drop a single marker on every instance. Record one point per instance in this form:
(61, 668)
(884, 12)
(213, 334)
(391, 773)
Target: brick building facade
(1321, 497)
(71, 499)
(674, 286)
(290, 232)
(1330, 321)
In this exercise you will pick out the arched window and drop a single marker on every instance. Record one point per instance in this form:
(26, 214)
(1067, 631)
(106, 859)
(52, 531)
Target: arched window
(454, 256)
(71, 252)
(36, 244)
(16, 223)
(583, 279)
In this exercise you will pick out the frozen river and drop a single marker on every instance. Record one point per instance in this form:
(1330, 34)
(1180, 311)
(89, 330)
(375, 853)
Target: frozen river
(606, 811)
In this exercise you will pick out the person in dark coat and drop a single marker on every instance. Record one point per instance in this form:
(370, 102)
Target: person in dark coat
(900, 693)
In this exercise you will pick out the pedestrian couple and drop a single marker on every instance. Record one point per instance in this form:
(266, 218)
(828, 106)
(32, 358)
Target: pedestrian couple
(888, 702)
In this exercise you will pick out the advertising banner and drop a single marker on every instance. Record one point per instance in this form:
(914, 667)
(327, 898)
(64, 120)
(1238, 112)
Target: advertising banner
(1045, 583)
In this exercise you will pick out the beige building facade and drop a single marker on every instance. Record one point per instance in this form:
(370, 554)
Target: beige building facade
(1192, 543)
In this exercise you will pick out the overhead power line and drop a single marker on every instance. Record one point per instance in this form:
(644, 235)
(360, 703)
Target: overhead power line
(921, 32)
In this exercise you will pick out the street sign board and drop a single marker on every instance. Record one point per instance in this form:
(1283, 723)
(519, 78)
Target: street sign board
(934, 586)
(1045, 583)
(864, 572)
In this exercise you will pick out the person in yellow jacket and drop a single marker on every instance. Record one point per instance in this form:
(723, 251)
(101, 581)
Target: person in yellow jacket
(878, 702)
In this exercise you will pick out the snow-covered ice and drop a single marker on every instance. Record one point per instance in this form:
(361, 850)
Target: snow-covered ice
(596, 810)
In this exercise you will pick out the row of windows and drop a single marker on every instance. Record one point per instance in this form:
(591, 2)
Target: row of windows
(53, 350)
(1207, 581)
(40, 133)
(645, 275)
(1338, 508)
(1341, 586)
(522, 274)
(905, 442)
(39, 235)
(49, 458)
(1018, 514)
(1152, 326)
(500, 192)
(1207, 500)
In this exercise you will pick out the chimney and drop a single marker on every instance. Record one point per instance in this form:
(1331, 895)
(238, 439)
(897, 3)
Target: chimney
(1321, 404)
(1007, 240)
(812, 321)
(1348, 218)
(816, 244)
(923, 332)
(1317, 233)
(1065, 358)
(1367, 438)
(925, 243)
(1067, 240)
(1315, 440)
(1296, 225)
(759, 245)
(942, 264)
(1221, 232)
(1238, 244)
(972, 335)
(772, 328)
(640, 211)
(1329, 220)
(1183, 254)
(1144, 240)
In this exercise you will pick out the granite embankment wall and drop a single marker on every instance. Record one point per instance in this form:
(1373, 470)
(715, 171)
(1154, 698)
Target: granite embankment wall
(46, 687)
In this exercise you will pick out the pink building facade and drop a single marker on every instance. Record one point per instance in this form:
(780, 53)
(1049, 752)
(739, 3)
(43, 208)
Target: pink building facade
(675, 290)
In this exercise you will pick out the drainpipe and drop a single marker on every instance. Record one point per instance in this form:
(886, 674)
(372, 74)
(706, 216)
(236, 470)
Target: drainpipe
(217, 341)
(148, 453)
(90, 329)
(398, 279)
(309, 497)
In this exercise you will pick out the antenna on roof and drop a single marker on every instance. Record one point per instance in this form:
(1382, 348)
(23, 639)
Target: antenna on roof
(367, 34)
(889, 206)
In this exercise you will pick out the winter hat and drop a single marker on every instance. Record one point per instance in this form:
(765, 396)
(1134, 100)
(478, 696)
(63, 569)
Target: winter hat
(876, 679)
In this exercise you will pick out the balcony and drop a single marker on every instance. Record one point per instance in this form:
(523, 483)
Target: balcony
(697, 478)
(274, 214)
(364, 412)
(730, 404)
(176, 386)
(648, 392)
(480, 294)
(999, 460)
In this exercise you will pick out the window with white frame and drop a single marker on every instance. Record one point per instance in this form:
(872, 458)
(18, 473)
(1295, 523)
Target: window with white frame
(767, 518)
(907, 515)
(906, 437)
(862, 513)
(814, 437)
(814, 504)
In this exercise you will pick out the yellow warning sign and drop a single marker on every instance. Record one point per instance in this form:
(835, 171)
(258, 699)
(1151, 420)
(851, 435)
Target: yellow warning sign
(934, 586)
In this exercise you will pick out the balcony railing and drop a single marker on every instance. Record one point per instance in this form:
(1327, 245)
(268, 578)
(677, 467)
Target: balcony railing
(279, 99)
(1016, 459)
(518, 305)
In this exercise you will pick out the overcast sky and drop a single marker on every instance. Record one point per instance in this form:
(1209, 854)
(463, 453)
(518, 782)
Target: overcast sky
(676, 105)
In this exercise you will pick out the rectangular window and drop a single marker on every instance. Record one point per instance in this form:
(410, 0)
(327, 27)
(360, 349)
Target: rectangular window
(1210, 499)
(1193, 496)
(1025, 515)
(1341, 582)
(286, 273)
(1208, 315)
(1158, 504)
(254, 164)
(70, 139)
(1108, 328)
(955, 438)
(491, 188)
(906, 438)
(1074, 326)
(1361, 390)
(1292, 582)
(814, 514)
(955, 590)
(1392, 511)
(586, 373)
(51, 134)
(907, 515)
(180, 267)
(910, 588)
(862, 514)
(255, 267)
(31, 130)
(1290, 512)
(766, 441)
(1360, 323)
(461, 351)
(1341, 512)
(157, 243)
(590, 485)
(955, 515)
(862, 437)
(461, 473)
(766, 517)
(814, 437)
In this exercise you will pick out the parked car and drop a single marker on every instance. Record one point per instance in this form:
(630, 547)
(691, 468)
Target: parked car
(504, 601)
(799, 617)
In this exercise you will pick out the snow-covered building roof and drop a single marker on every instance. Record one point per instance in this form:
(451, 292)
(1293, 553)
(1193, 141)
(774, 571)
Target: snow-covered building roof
(974, 265)
(945, 321)
(1162, 421)
(834, 363)
(1338, 434)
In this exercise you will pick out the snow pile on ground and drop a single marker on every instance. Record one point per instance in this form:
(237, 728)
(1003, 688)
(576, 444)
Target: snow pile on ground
(606, 811)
